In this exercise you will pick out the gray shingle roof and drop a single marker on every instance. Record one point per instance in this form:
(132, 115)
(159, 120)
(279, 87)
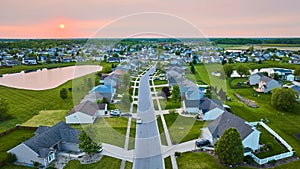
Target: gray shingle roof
(41, 129)
(61, 132)
(86, 107)
(207, 104)
(226, 121)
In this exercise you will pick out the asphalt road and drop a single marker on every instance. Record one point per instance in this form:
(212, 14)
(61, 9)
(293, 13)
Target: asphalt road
(148, 152)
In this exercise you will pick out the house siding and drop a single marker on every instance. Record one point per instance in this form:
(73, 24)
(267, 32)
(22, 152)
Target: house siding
(26, 155)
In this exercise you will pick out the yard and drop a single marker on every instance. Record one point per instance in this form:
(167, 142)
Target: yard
(161, 131)
(109, 130)
(46, 118)
(160, 82)
(181, 128)
(131, 142)
(169, 104)
(24, 104)
(105, 162)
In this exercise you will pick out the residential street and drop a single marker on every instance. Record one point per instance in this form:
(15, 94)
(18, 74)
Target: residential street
(147, 144)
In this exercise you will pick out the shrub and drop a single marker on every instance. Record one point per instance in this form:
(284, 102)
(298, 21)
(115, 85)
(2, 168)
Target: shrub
(177, 154)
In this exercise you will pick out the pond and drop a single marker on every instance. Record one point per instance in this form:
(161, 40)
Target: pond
(46, 78)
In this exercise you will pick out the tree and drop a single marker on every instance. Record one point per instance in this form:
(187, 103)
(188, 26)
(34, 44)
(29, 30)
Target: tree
(3, 107)
(165, 92)
(284, 99)
(87, 145)
(125, 79)
(229, 147)
(176, 93)
(228, 69)
(63, 93)
(193, 69)
(242, 70)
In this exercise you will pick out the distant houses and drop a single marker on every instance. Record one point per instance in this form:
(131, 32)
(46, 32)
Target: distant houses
(46, 144)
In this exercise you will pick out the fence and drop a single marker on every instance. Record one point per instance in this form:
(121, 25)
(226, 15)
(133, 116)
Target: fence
(17, 128)
(275, 157)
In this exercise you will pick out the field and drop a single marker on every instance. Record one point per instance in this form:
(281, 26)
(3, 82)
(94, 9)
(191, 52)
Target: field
(293, 47)
(24, 104)
(46, 118)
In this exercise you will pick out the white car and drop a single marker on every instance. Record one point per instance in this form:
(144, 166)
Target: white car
(139, 120)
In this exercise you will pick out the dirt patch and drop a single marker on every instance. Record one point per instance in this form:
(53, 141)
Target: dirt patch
(297, 136)
(249, 103)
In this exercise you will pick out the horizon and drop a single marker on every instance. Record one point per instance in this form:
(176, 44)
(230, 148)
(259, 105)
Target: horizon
(214, 19)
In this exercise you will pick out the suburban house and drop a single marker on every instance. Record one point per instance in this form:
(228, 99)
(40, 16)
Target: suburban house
(208, 109)
(29, 61)
(86, 113)
(106, 91)
(92, 97)
(113, 59)
(46, 144)
(265, 84)
(249, 134)
(283, 73)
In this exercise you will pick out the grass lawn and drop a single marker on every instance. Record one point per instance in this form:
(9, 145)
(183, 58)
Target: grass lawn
(197, 161)
(131, 142)
(160, 82)
(169, 104)
(23, 104)
(109, 130)
(168, 163)
(204, 73)
(274, 146)
(128, 165)
(46, 118)
(10, 166)
(161, 131)
(16, 69)
(105, 163)
(11, 140)
(181, 128)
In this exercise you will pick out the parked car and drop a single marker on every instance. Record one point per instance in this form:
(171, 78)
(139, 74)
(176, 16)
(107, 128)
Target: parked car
(139, 120)
(201, 143)
(115, 112)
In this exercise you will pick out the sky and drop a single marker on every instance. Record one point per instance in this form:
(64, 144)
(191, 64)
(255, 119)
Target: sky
(149, 18)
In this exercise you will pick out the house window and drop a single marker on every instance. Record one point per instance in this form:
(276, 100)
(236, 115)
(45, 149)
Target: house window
(51, 157)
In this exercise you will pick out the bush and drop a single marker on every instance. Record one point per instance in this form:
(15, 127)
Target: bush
(269, 145)
(177, 154)
(7, 158)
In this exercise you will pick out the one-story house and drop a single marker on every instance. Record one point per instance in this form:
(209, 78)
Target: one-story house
(46, 144)
(86, 113)
(249, 134)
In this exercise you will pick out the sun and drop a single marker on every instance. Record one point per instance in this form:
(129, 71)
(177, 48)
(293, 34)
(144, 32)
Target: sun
(61, 26)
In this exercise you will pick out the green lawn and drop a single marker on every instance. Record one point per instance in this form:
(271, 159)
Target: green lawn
(11, 140)
(131, 142)
(109, 130)
(181, 128)
(46, 118)
(161, 131)
(23, 104)
(197, 161)
(168, 163)
(169, 104)
(160, 82)
(105, 163)
(274, 146)
(16, 69)
(128, 165)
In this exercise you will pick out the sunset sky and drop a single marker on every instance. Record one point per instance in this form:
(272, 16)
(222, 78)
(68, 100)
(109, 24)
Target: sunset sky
(127, 18)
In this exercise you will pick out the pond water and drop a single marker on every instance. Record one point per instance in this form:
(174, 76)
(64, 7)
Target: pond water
(46, 78)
